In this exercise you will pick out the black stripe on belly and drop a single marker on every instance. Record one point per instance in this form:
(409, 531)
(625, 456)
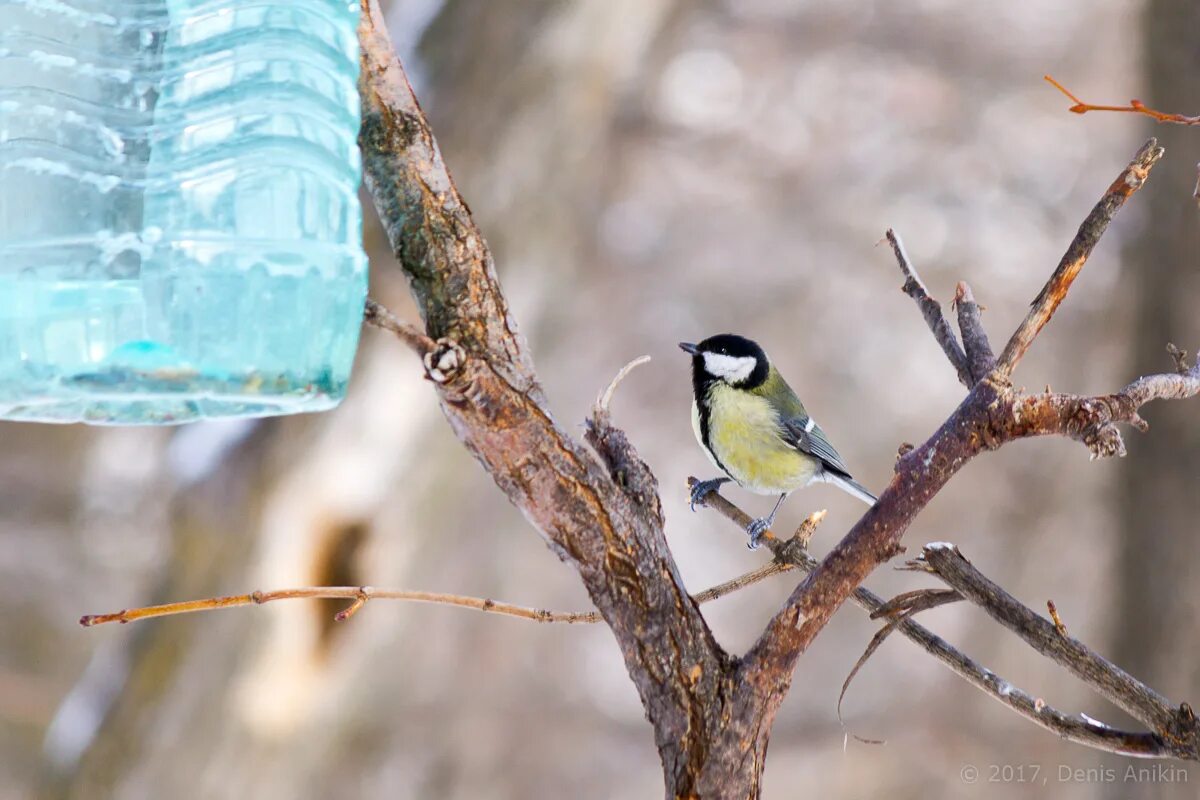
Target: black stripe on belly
(702, 388)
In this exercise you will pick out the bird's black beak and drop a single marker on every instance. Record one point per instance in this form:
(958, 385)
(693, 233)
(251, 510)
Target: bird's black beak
(689, 348)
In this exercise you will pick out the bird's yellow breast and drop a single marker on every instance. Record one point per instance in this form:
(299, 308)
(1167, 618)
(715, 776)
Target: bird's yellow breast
(743, 439)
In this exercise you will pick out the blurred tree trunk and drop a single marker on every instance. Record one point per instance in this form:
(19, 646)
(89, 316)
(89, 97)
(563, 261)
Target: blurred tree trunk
(1159, 554)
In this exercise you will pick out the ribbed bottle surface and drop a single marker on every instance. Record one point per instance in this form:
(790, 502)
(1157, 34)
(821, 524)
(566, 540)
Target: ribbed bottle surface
(180, 231)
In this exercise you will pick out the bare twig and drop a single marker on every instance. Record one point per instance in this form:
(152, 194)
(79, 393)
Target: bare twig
(804, 533)
(930, 309)
(915, 601)
(1071, 728)
(779, 547)
(1129, 181)
(606, 397)
(1058, 623)
(1175, 726)
(1162, 387)
(359, 595)
(980, 358)
(791, 551)
(872, 646)
(377, 315)
(1179, 357)
(897, 611)
(1093, 420)
(1134, 107)
(625, 466)
(742, 581)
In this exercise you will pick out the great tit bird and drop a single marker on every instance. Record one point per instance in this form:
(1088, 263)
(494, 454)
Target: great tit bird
(754, 428)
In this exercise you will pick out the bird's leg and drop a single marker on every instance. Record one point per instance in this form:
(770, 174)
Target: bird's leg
(761, 525)
(701, 490)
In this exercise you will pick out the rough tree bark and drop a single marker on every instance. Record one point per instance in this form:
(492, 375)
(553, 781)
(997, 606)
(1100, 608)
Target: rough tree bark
(711, 712)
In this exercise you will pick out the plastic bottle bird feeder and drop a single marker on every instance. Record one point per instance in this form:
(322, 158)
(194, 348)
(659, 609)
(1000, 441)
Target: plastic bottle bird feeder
(180, 230)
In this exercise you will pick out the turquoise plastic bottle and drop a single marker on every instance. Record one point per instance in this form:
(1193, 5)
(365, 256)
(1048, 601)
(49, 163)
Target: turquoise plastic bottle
(180, 230)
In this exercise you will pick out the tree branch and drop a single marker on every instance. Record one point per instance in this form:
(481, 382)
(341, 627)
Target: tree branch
(1175, 725)
(930, 309)
(431, 231)
(1071, 728)
(625, 466)
(1055, 290)
(1075, 728)
(376, 315)
(361, 594)
(1134, 107)
(980, 359)
(358, 594)
(915, 601)
(1093, 420)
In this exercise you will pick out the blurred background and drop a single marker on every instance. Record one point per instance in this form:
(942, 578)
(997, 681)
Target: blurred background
(649, 171)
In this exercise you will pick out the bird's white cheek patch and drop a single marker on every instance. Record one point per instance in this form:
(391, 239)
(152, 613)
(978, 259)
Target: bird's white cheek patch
(732, 369)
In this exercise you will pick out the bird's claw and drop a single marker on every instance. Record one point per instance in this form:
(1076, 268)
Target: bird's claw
(756, 529)
(701, 490)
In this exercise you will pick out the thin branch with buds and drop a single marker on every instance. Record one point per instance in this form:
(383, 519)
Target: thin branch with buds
(1134, 107)
(359, 595)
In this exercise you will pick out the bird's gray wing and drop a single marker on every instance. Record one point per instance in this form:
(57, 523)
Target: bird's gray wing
(802, 433)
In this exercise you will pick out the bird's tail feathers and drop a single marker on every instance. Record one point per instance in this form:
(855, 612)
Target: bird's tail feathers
(850, 486)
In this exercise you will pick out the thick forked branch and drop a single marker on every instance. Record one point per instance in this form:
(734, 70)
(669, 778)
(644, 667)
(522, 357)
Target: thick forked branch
(1128, 182)
(605, 520)
(984, 420)
(1072, 728)
(1176, 726)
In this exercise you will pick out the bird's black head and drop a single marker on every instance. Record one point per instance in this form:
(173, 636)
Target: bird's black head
(728, 358)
